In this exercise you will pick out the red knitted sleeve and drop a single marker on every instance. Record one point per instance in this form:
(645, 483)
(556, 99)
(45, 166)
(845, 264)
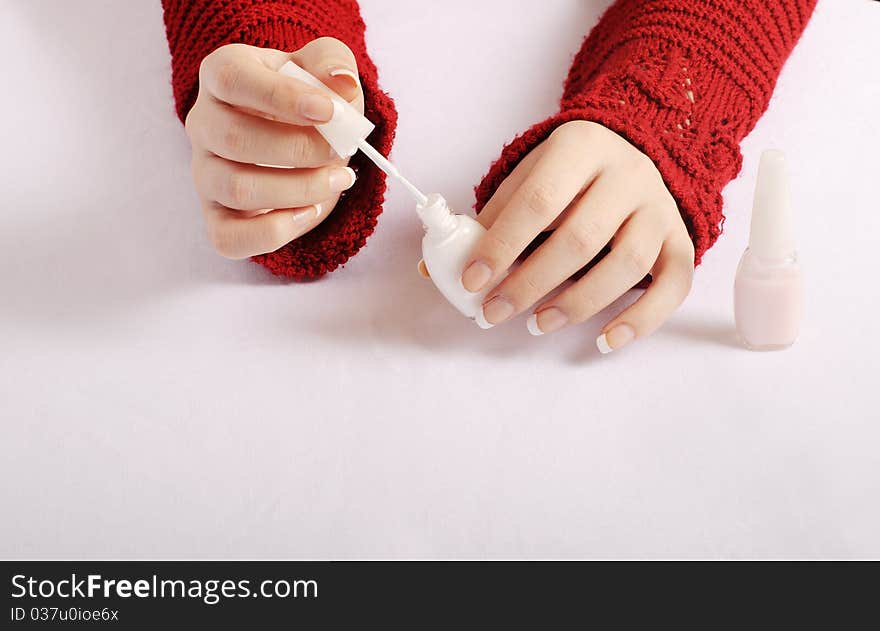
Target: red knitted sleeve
(196, 28)
(682, 80)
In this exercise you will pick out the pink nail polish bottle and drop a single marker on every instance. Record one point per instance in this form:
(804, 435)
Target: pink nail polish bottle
(768, 291)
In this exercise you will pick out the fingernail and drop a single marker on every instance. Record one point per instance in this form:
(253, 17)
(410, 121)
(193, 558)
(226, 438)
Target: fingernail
(342, 179)
(481, 321)
(616, 338)
(337, 110)
(342, 71)
(475, 276)
(497, 310)
(306, 214)
(546, 321)
(532, 325)
(316, 108)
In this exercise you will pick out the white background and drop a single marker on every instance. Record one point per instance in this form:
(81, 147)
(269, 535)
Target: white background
(158, 401)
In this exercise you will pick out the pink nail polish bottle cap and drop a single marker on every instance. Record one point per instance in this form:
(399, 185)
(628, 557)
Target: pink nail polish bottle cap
(772, 230)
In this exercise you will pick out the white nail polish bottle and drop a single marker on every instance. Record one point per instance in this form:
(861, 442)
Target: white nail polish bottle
(449, 238)
(768, 291)
(448, 242)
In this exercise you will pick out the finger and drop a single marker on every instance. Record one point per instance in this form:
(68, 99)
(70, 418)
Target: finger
(508, 187)
(331, 62)
(591, 223)
(672, 278)
(634, 252)
(247, 77)
(232, 134)
(249, 187)
(237, 237)
(554, 181)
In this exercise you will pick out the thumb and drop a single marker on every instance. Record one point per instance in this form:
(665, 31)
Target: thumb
(332, 63)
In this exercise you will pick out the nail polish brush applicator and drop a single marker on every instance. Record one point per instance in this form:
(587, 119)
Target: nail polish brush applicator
(449, 237)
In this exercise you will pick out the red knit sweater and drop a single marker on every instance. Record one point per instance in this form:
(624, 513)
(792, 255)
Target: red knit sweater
(195, 28)
(682, 80)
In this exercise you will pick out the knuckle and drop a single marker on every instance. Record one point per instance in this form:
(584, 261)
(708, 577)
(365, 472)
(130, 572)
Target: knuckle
(191, 122)
(689, 253)
(583, 131)
(335, 43)
(276, 97)
(568, 142)
(583, 238)
(561, 133)
(499, 246)
(236, 139)
(224, 241)
(640, 164)
(240, 189)
(227, 50)
(539, 200)
(227, 78)
(314, 186)
(205, 66)
(635, 261)
(299, 150)
(532, 286)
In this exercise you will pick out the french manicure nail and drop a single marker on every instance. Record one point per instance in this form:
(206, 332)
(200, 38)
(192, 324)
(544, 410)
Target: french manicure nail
(337, 110)
(316, 107)
(476, 276)
(498, 310)
(532, 325)
(616, 338)
(342, 71)
(306, 214)
(481, 321)
(342, 179)
(546, 321)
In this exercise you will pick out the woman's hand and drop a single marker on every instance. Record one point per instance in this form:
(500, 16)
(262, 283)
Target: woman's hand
(595, 189)
(246, 115)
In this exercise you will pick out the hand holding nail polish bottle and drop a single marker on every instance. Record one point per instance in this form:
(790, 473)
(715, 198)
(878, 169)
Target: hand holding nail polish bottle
(449, 238)
(768, 291)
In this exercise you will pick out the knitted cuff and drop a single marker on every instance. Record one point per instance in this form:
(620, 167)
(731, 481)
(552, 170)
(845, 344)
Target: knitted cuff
(683, 82)
(648, 103)
(196, 28)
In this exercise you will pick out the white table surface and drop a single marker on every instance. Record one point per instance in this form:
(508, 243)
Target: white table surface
(159, 401)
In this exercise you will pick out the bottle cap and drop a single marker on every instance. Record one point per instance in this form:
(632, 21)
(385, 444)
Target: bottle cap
(436, 216)
(772, 232)
(347, 128)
